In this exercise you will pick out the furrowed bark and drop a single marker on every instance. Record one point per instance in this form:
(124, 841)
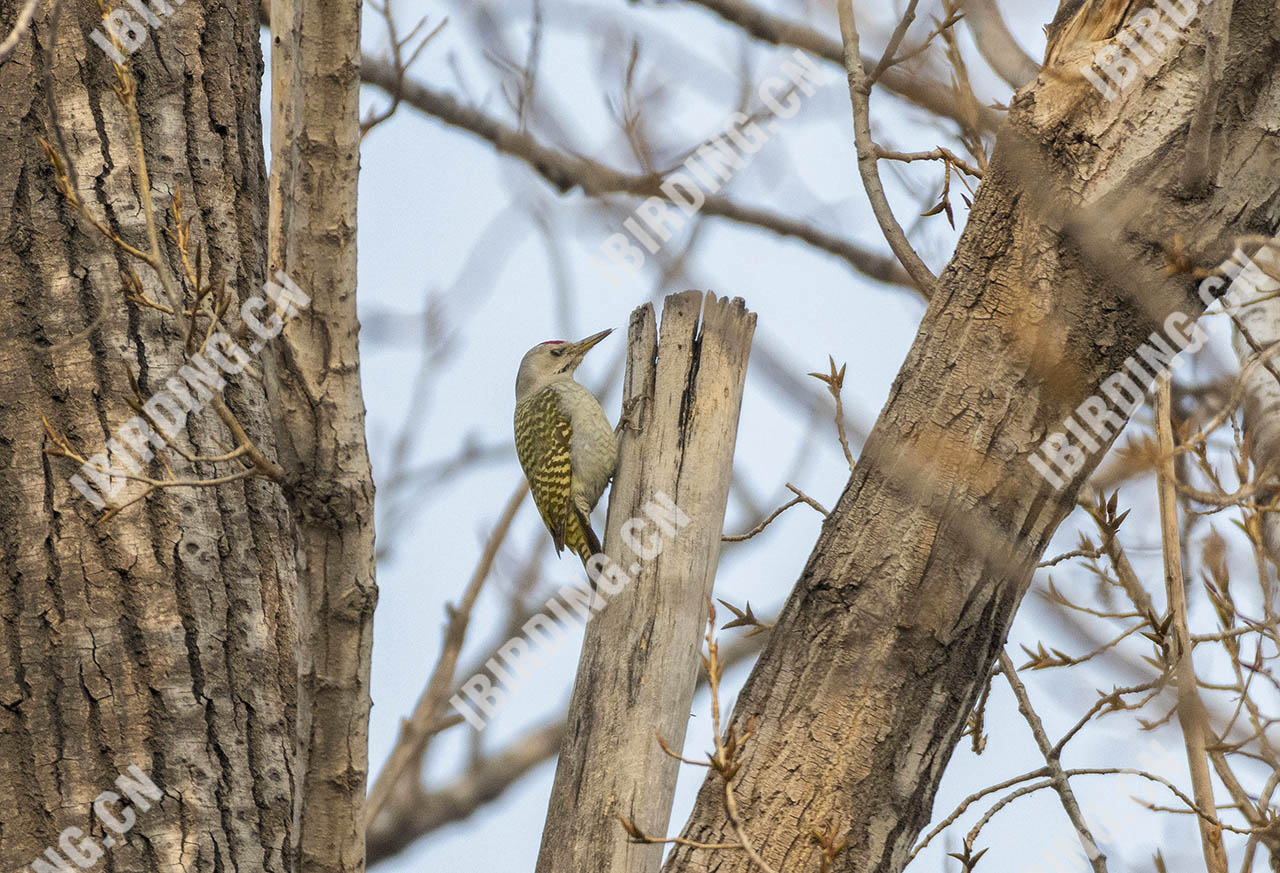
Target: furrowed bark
(639, 662)
(315, 386)
(164, 637)
(1062, 271)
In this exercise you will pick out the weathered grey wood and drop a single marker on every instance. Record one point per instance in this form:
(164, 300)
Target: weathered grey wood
(639, 659)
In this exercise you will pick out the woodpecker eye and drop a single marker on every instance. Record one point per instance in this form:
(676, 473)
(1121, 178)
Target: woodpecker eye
(555, 353)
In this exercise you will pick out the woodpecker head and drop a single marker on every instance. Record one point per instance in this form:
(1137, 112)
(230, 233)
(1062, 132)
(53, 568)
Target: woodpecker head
(553, 361)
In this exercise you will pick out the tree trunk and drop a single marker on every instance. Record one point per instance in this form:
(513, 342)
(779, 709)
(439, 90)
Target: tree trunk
(163, 638)
(315, 388)
(639, 662)
(1062, 271)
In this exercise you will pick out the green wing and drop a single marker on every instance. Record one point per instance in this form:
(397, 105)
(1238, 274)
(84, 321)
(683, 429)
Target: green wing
(543, 437)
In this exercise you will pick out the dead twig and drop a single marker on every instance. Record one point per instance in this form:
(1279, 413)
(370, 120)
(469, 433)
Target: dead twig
(10, 43)
(860, 93)
(415, 731)
(1190, 708)
(800, 497)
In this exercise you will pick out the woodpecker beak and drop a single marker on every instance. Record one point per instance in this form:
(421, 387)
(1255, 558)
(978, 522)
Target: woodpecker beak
(577, 351)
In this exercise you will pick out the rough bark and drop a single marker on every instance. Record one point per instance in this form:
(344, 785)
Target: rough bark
(878, 655)
(165, 637)
(639, 662)
(315, 389)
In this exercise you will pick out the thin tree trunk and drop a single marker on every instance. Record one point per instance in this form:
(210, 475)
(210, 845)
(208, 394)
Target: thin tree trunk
(639, 662)
(315, 388)
(879, 654)
(163, 638)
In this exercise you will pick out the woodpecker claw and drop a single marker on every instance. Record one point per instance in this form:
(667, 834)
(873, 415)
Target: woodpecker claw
(633, 409)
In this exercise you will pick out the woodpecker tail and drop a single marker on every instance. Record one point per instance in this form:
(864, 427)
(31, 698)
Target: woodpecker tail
(587, 546)
(581, 538)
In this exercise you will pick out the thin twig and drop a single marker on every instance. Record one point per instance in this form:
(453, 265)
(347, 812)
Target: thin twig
(1205, 816)
(1060, 782)
(1066, 556)
(416, 730)
(724, 759)
(799, 498)
(969, 801)
(859, 94)
(889, 58)
(1190, 708)
(835, 383)
(1101, 703)
(19, 30)
(938, 154)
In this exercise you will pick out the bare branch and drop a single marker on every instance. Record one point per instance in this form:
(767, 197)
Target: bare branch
(920, 90)
(859, 93)
(800, 497)
(406, 755)
(566, 172)
(1060, 783)
(1190, 709)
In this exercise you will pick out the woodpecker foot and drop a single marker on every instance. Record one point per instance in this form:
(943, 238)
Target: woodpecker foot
(633, 414)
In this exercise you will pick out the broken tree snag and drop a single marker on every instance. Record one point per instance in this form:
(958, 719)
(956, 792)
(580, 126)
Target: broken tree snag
(639, 658)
